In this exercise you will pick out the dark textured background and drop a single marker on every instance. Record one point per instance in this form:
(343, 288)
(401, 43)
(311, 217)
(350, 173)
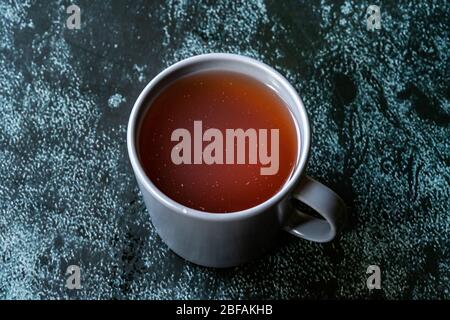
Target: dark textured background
(379, 107)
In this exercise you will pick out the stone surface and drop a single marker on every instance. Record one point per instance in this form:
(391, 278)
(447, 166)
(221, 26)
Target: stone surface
(379, 106)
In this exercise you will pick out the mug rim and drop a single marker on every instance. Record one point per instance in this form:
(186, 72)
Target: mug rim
(303, 152)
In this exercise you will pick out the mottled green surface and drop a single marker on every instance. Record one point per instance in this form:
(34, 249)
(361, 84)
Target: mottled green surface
(379, 107)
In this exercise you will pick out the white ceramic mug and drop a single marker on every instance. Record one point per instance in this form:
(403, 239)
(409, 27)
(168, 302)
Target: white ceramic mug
(225, 240)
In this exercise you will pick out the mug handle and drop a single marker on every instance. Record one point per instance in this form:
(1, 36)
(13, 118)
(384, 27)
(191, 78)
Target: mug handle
(326, 203)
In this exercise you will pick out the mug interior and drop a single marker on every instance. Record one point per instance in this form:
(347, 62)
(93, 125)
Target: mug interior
(230, 63)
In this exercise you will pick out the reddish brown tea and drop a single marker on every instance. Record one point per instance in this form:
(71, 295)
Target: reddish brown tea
(220, 100)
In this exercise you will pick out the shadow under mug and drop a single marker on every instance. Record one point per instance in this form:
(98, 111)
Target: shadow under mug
(226, 240)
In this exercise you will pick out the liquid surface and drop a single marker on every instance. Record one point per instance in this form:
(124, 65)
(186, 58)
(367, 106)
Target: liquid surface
(221, 100)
